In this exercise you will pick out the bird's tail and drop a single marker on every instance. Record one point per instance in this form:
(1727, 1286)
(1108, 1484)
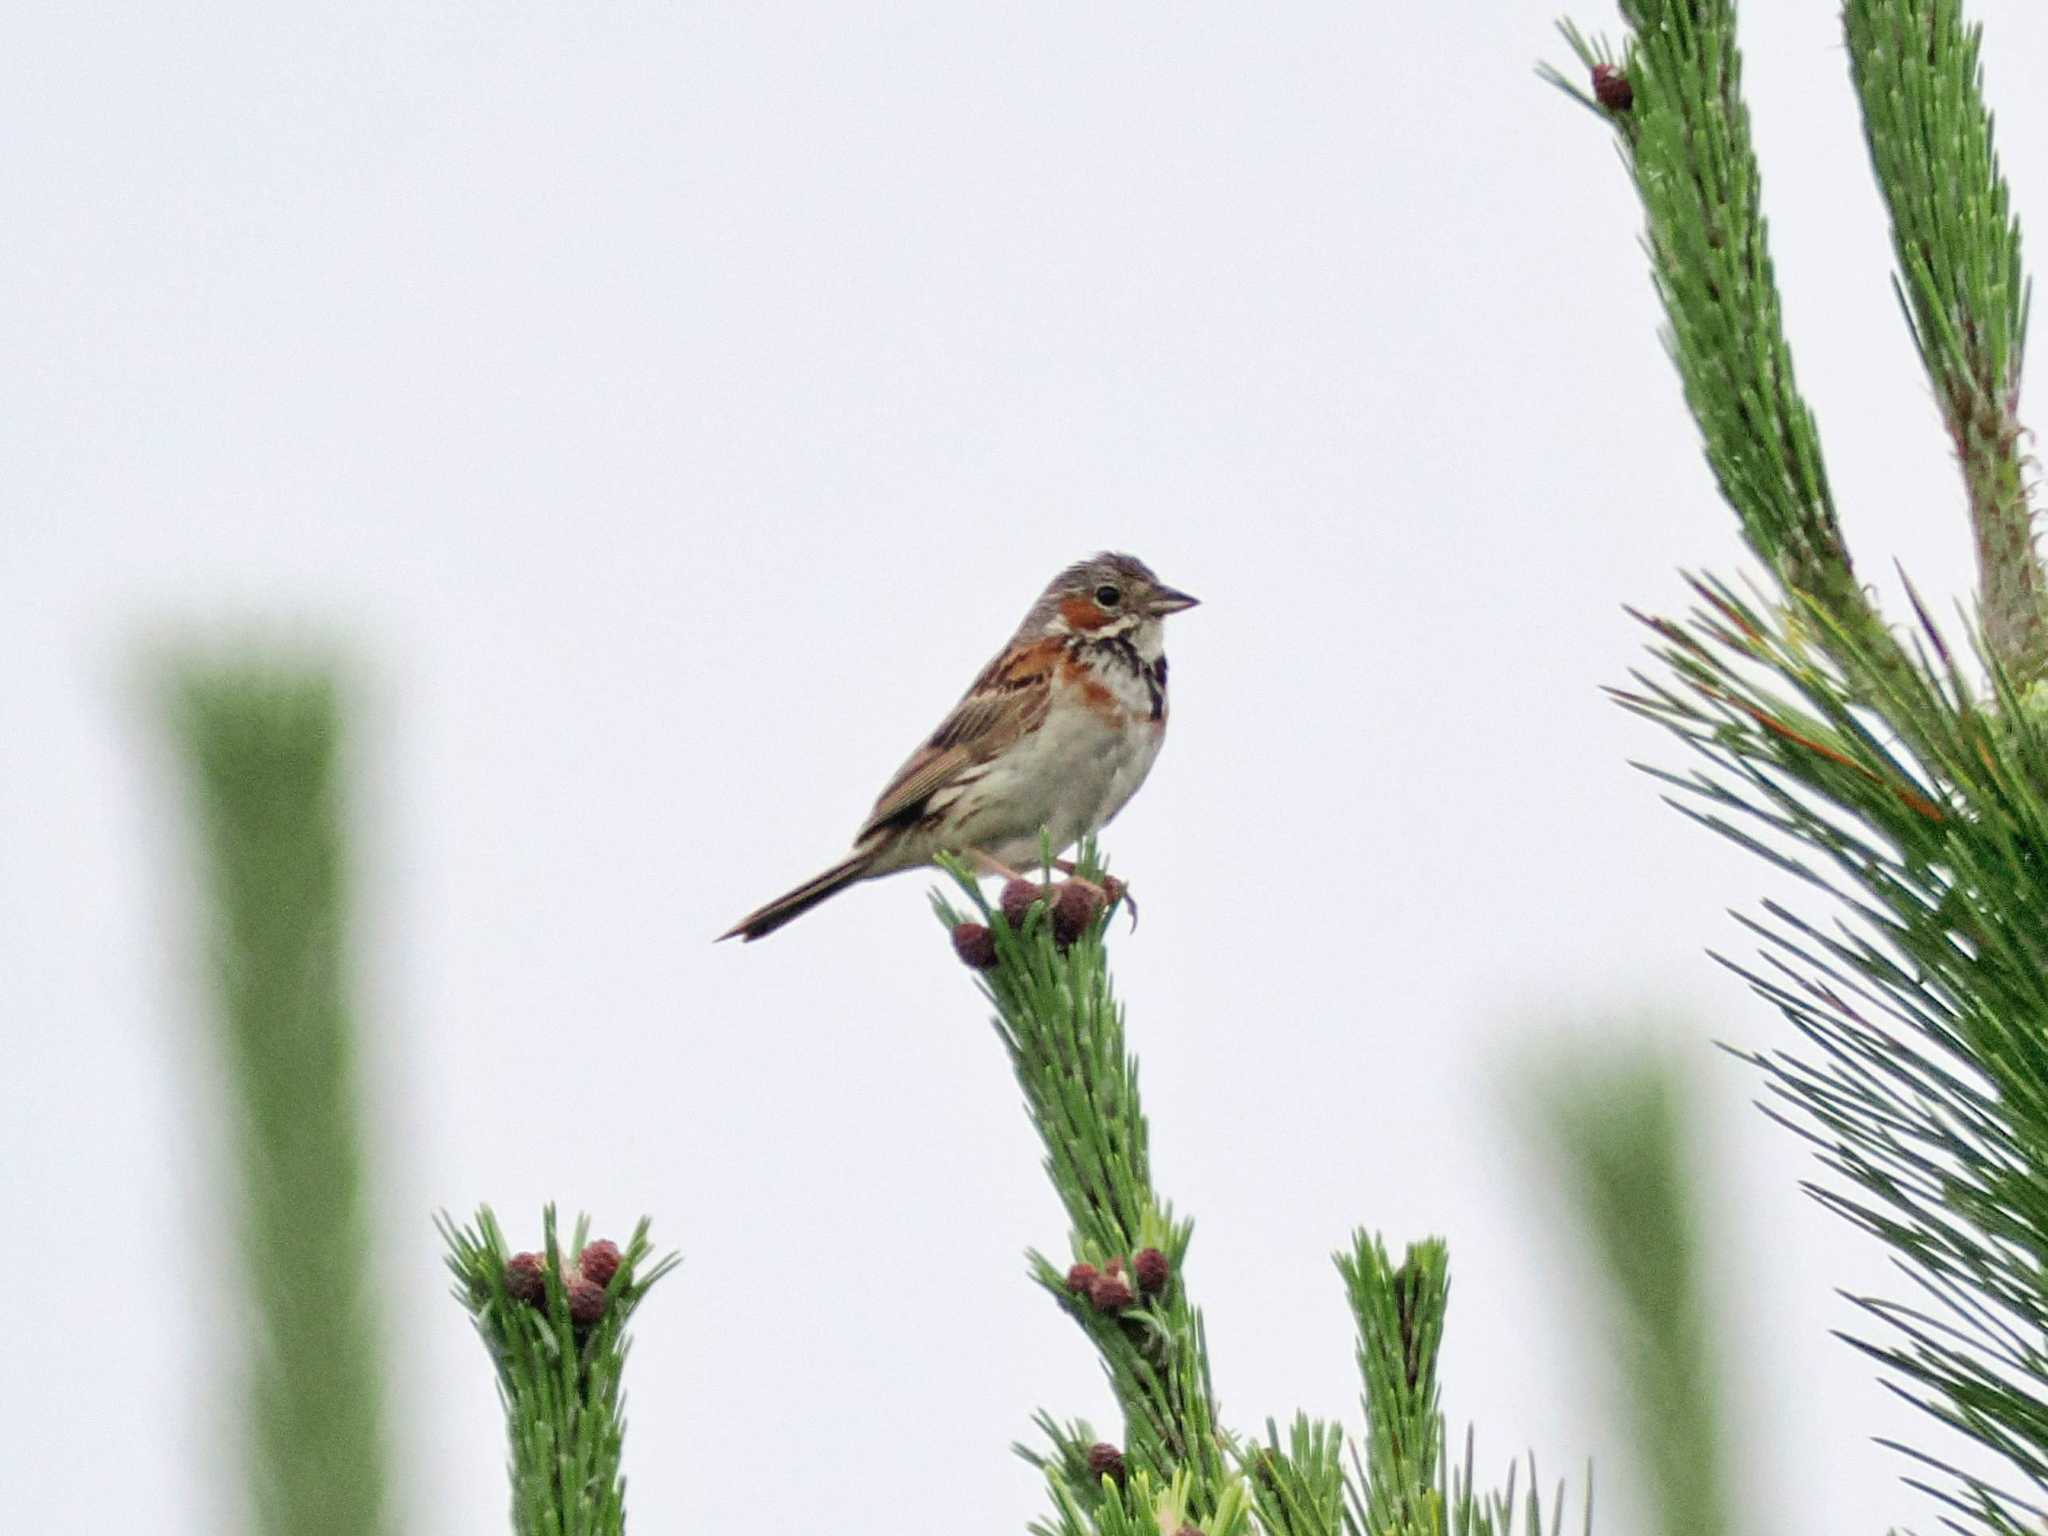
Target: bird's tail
(763, 921)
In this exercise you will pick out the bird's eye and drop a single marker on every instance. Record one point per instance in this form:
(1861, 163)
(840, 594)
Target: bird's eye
(1108, 596)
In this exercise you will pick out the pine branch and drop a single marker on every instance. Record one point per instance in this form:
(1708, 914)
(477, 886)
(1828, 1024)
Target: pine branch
(1619, 1134)
(1044, 969)
(1929, 1096)
(1126, 1287)
(1685, 137)
(1676, 105)
(1299, 1487)
(556, 1332)
(1400, 1317)
(1909, 793)
(1918, 78)
(262, 747)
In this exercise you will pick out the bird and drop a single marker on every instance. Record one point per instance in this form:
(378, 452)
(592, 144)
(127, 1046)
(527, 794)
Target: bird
(1051, 740)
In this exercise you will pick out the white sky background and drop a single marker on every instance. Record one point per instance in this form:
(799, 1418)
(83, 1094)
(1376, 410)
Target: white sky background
(670, 408)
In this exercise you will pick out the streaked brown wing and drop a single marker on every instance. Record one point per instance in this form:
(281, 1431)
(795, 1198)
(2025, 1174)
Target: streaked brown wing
(1008, 699)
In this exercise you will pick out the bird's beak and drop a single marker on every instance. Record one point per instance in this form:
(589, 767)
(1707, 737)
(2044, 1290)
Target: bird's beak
(1165, 600)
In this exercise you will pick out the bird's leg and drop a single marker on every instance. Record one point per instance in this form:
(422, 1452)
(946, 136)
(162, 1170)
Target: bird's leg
(988, 864)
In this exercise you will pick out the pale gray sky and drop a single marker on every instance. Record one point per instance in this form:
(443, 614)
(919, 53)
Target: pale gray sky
(671, 406)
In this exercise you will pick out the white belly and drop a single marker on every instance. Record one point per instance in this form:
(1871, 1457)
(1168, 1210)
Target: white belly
(1069, 777)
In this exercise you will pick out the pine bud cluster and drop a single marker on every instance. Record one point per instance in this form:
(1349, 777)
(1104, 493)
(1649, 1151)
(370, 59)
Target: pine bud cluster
(1105, 1460)
(1152, 1270)
(1072, 906)
(1108, 1289)
(1611, 88)
(975, 946)
(526, 1280)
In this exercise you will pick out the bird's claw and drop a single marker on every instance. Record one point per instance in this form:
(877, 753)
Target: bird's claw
(1116, 893)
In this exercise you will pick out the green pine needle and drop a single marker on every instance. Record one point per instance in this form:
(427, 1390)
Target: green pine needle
(1907, 782)
(1620, 1133)
(1063, 1029)
(263, 747)
(1918, 77)
(560, 1383)
(1929, 1094)
(1685, 139)
(1399, 1312)
(1059, 1021)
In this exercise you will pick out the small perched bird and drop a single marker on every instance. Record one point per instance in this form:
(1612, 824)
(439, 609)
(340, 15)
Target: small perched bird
(1055, 736)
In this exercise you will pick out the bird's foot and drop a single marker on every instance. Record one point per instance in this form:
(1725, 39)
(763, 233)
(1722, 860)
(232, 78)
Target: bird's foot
(1020, 890)
(1113, 890)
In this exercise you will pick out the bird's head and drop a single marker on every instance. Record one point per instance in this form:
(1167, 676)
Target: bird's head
(1102, 597)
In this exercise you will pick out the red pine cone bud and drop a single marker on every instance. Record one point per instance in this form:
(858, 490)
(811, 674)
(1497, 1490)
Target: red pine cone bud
(975, 946)
(1019, 896)
(1081, 1279)
(1074, 910)
(599, 1261)
(1105, 1460)
(525, 1280)
(1611, 88)
(586, 1301)
(1152, 1271)
(1111, 1292)
(1188, 1530)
